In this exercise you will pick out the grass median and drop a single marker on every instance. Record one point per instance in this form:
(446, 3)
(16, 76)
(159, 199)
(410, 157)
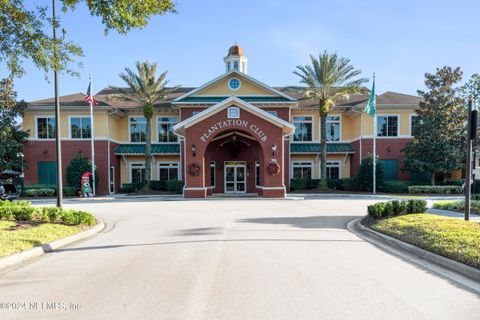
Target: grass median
(16, 237)
(449, 237)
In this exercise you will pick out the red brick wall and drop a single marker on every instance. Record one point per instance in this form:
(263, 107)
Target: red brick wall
(386, 149)
(45, 151)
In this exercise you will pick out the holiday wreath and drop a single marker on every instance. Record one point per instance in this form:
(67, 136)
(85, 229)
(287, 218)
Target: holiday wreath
(274, 168)
(194, 169)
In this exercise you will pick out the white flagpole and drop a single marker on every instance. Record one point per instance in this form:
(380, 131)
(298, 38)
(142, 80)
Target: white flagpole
(92, 136)
(374, 143)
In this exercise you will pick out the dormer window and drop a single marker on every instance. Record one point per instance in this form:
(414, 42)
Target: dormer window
(233, 113)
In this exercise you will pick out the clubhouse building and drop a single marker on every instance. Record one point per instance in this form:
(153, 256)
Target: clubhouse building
(232, 135)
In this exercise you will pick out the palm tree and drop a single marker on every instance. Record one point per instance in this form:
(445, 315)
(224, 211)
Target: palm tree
(146, 89)
(329, 78)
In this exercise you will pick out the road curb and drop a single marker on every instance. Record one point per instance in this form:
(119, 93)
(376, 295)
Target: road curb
(17, 258)
(388, 242)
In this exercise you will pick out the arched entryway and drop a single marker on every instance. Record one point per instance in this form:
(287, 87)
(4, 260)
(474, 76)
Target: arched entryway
(236, 160)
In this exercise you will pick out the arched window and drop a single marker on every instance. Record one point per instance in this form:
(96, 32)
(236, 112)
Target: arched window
(235, 65)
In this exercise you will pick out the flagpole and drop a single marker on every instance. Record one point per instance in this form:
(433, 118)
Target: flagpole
(92, 136)
(374, 146)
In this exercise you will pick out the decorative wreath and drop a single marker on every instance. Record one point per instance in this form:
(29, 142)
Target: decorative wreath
(274, 168)
(194, 169)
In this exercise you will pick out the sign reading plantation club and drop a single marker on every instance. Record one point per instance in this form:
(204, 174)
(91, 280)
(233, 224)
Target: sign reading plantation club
(234, 123)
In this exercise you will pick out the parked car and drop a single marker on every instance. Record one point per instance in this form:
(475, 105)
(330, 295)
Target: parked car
(8, 191)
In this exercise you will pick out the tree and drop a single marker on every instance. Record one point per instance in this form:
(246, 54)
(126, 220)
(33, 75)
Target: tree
(146, 89)
(472, 88)
(364, 177)
(11, 135)
(328, 79)
(76, 168)
(440, 133)
(26, 33)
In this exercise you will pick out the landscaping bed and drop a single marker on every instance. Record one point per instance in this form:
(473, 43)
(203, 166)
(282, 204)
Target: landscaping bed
(457, 206)
(23, 226)
(449, 237)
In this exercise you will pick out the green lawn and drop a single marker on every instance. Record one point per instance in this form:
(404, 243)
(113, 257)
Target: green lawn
(14, 241)
(453, 238)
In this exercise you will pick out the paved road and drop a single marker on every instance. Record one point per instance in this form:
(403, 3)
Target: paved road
(231, 259)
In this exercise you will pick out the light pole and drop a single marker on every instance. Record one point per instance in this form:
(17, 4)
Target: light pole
(22, 175)
(57, 111)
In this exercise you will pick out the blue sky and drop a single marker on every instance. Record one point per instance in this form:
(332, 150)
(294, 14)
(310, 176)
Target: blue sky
(398, 40)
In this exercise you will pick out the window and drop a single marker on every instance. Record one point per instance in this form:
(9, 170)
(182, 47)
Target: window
(234, 84)
(212, 173)
(167, 171)
(137, 172)
(333, 170)
(138, 129)
(46, 128)
(387, 126)
(80, 128)
(257, 173)
(235, 65)
(413, 125)
(333, 128)
(303, 128)
(273, 113)
(233, 113)
(165, 129)
(302, 170)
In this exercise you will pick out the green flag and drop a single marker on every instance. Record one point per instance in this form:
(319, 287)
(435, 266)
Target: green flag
(370, 107)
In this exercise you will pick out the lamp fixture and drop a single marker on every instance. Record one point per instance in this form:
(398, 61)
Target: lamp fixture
(194, 150)
(274, 149)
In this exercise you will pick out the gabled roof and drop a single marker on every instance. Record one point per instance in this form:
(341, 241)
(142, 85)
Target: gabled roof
(394, 98)
(180, 127)
(273, 91)
(76, 99)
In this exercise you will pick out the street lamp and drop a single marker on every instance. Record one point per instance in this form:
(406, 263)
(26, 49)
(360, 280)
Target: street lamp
(22, 175)
(274, 149)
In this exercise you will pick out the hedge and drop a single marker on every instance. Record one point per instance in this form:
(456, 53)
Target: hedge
(396, 207)
(132, 187)
(40, 192)
(175, 185)
(23, 211)
(436, 189)
(168, 185)
(49, 190)
(395, 186)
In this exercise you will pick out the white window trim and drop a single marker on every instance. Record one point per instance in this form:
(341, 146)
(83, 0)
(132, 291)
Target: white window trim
(398, 126)
(239, 83)
(336, 162)
(36, 127)
(212, 164)
(70, 126)
(158, 132)
(303, 164)
(304, 121)
(233, 108)
(159, 163)
(130, 165)
(341, 127)
(129, 131)
(257, 164)
(411, 123)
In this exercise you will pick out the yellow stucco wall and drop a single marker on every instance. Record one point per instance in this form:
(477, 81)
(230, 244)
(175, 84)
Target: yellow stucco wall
(404, 119)
(125, 166)
(247, 87)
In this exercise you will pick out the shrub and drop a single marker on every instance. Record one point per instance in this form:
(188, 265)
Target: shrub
(395, 186)
(334, 184)
(436, 189)
(312, 183)
(23, 213)
(174, 185)
(132, 187)
(476, 197)
(298, 184)
(6, 210)
(158, 185)
(78, 217)
(40, 186)
(390, 208)
(51, 214)
(70, 191)
(76, 168)
(40, 192)
(364, 176)
(348, 184)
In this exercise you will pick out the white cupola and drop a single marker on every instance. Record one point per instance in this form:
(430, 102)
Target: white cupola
(235, 59)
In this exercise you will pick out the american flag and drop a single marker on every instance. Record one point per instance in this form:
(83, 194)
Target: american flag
(89, 98)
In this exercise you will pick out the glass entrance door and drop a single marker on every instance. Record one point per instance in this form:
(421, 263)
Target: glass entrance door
(235, 180)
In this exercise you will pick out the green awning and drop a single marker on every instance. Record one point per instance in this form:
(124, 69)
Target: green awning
(315, 148)
(131, 149)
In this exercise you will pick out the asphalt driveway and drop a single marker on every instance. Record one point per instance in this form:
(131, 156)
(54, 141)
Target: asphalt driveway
(229, 259)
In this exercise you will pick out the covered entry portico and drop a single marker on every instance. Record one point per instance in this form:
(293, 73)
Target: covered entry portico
(234, 147)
